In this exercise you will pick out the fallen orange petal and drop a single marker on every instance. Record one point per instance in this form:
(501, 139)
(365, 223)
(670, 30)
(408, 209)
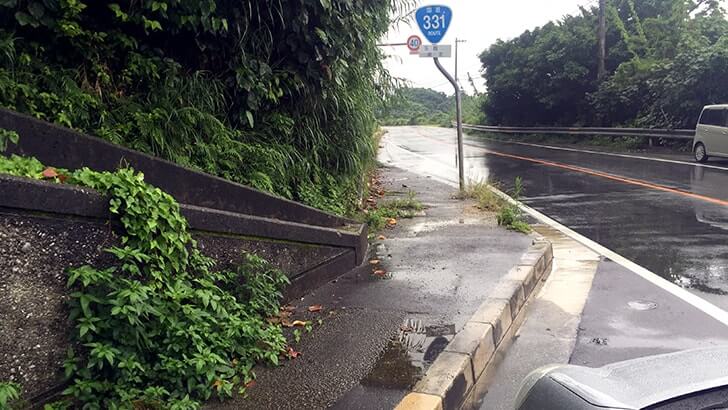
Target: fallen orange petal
(315, 308)
(49, 172)
(292, 354)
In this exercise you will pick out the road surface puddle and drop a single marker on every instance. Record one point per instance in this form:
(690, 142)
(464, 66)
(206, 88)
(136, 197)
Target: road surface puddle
(409, 355)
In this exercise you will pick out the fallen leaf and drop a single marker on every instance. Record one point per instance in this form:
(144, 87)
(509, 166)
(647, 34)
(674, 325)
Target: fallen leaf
(374, 262)
(250, 384)
(315, 308)
(380, 272)
(292, 354)
(289, 308)
(382, 237)
(49, 172)
(288, 323)
(392, 222)
(217, 384)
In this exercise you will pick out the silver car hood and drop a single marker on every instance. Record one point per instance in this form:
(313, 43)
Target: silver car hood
(638, 383)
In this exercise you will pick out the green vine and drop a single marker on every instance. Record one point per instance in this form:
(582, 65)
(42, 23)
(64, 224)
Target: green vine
(7, 135)
(162, 328)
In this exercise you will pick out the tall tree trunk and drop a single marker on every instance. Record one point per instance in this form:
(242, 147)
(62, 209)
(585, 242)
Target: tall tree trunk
(602, 70)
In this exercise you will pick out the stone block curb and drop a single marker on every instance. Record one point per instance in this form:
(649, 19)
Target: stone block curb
(456, 370)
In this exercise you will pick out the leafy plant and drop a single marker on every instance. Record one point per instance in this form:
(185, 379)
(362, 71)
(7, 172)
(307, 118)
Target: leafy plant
(162, 328)
(297, 335)
(7, 136)
(27, 167)
(9, 392)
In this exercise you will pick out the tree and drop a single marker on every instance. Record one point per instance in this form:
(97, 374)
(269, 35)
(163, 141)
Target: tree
(665, 58)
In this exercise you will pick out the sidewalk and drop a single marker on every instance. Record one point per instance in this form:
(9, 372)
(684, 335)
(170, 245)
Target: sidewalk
(378, 335)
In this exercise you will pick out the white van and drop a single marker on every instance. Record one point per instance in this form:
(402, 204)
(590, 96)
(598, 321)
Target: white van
(711, 133)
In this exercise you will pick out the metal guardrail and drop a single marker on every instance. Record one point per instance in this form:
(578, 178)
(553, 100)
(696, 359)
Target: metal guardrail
(611, 132)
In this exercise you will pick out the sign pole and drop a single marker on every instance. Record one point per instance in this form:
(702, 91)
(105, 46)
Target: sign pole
(459, 118)
(434, 20)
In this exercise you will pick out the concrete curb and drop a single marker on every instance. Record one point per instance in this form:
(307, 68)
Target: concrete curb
(451, 378)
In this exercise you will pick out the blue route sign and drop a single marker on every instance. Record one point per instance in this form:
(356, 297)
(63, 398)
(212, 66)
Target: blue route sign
(434, 22)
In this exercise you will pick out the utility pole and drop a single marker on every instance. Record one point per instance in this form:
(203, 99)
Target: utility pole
(456, 57)
(602, 70)
(472, 84)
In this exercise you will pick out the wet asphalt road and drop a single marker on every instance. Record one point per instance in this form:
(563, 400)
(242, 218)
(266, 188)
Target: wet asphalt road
(664, 213)
(680, 236)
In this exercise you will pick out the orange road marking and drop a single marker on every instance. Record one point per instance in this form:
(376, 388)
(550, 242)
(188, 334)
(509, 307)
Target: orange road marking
(612, 177)
(588, 171)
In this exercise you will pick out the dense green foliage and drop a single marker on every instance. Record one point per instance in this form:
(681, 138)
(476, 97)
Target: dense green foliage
(416, 106)
(665, 59)
(277, 94)
(9, 392)
(423, 106)
(161, 328)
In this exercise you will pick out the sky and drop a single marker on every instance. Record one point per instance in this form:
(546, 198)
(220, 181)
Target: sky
(480, 23)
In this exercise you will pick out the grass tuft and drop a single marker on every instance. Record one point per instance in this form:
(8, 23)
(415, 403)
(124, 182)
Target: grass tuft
(507, 214)
(407, 207)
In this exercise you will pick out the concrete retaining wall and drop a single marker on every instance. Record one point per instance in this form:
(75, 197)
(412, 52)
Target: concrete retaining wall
(46, 228)
(62, 147)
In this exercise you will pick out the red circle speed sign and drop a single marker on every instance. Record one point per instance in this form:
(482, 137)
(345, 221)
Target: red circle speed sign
(414, 43)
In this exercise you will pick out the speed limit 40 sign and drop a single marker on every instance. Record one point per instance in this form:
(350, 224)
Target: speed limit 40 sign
(414, 43)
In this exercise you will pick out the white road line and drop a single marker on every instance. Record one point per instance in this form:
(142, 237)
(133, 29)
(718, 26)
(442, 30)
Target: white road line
(612, 154)
(696, 301)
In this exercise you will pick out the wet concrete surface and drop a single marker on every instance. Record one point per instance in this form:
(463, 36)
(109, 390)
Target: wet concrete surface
(379, 335)
(678, 237)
